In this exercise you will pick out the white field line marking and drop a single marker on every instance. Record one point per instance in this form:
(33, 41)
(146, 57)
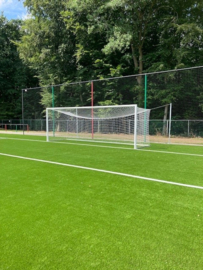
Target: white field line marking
(72, 143)
(111, 147)
(168, 152)
(187, 144)
(104, 171)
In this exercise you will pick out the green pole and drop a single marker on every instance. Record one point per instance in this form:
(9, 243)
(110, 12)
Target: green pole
(52, 95)
(53, 116)
(145, 106)
(145, 92)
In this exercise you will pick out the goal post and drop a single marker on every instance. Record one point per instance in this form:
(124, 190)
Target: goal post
(122, 124)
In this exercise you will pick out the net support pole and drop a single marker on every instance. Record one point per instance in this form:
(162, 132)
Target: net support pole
(145, 92)
(92, 104)
(135, 128)
(76, 122)
(53, 115)
(23, 111)
(47, 126)
(145, 106)
(169, 131)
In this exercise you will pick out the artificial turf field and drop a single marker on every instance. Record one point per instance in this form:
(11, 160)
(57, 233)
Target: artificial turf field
(58, 212)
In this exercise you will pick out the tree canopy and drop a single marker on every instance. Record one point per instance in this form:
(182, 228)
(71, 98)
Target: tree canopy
(67, 41)
(14, 74)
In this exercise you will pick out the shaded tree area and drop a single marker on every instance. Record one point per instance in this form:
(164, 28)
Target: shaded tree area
(149, 35)
(14, 74)
(69, 41)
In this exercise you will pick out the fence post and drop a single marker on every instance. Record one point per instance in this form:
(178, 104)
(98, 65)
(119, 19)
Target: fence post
(92, 110)
(22, 110)
(145, 106)
(53, 115)
(188, 128)
(170, 116)
(145, 92)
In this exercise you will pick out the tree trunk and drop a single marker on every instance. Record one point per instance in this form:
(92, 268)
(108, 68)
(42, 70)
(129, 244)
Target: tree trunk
(138, 66)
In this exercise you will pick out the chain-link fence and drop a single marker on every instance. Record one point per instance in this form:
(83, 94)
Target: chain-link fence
(182, 131)
(183, 88)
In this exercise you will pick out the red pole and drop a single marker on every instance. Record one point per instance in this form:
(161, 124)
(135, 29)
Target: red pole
(92, 104)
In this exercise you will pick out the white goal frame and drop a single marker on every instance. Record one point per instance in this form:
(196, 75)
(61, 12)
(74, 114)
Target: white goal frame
(123, 124)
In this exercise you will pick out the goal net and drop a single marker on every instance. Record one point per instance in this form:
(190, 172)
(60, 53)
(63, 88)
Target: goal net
(126, 124)
(160, 124)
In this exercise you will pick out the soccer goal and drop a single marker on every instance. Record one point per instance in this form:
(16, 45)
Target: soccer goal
(123, 124)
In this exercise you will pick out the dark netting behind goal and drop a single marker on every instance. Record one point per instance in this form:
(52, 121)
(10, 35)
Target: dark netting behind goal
(181, 88)
(36, 100)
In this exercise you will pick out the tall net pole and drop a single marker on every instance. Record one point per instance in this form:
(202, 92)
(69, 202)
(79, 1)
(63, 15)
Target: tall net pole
(145, 93)
(52, 92)
(135, 127)
(145, 106)
(170, 116)
(92, 104)
(23, 111)
(47, 125)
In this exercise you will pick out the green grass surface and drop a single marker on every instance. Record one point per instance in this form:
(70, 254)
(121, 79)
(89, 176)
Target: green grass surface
(57, 217)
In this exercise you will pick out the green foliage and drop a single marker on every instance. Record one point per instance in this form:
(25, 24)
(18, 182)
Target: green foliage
(46, 45)
(68, 41)
(14, 75)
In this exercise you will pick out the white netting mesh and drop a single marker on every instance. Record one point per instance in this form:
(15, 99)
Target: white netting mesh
(105, 123)
(100, 112)
(143, 126)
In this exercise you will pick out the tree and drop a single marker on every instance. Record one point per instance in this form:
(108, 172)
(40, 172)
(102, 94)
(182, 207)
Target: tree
(159, 35)
(14, 75)
(47, 46)
(77, 40)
